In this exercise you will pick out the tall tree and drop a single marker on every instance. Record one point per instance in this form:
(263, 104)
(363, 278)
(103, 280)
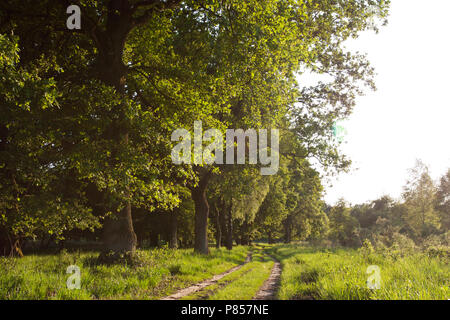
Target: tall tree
(38, 196)
(443, 201)
(137, 70)
(419, 195)
(343, 227)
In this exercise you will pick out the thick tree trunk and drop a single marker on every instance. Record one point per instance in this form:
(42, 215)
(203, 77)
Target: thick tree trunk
(10, 246)
(110, 42)
(229, 235)
(173, 241)
(5, 245)
(198, 194)
(118, 232)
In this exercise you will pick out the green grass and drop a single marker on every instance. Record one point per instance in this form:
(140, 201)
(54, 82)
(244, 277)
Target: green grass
(308, 273)
(161, 273)
(242, 284)
(314, 273)
(246, 286)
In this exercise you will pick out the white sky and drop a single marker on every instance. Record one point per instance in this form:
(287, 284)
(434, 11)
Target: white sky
(408, 117)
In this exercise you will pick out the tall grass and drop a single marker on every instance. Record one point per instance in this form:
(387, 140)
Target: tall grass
(314, 273)
(159, 273)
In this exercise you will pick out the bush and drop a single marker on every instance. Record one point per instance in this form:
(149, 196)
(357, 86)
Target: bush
(366, 249)
(403, 243)
(175, 269)
(436, 241)
(438, 252)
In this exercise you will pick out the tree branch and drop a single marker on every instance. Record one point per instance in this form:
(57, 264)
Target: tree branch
(156, 6)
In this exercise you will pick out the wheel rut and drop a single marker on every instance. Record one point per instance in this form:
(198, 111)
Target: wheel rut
(206, 283)
(268, 290)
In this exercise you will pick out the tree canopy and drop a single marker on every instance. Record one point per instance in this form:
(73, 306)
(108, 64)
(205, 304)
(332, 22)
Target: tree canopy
(88, 113)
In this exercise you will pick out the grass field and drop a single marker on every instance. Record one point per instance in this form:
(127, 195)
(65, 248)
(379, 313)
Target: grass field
(160, 273)
(311, 273)
(307, 273)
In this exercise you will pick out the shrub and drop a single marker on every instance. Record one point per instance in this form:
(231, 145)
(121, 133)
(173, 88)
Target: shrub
(403, 243)
(438, 252)
(366, 249)
(175, 269)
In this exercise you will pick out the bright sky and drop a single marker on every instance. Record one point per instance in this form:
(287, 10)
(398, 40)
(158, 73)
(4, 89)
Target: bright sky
(408, 117)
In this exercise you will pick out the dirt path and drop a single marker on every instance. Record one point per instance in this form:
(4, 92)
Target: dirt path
(269, 289)
(205, 294)
(199, 286)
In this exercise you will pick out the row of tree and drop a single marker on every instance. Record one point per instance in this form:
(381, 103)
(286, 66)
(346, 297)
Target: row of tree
(87, 115)
(420, 218)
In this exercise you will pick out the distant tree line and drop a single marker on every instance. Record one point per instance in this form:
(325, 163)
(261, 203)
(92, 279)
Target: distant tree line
(420, 219)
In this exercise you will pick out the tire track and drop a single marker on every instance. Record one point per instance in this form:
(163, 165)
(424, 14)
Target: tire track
(205, 294)
(269, 289)
(199, 286)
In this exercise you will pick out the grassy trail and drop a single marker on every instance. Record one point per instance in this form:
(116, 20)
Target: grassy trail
(269, 290)
(206, 283)
(255, 280)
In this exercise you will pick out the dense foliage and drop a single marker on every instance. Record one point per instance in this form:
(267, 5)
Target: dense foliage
(417, 221)
(87, 116)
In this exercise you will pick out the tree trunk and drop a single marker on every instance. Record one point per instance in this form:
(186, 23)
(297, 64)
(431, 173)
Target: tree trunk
(109, 40)
(6, 248)
(244, 233)
(118, 233)
(198, 194)
(154, 239)
(229, 235)
(173, 241)
(288, 229)
(223, 223)
(10, 246)
(218, 227)
(270, 237)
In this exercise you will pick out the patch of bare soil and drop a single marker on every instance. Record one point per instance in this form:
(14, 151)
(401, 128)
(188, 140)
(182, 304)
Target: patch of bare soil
(199, 286)
(269, 289)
